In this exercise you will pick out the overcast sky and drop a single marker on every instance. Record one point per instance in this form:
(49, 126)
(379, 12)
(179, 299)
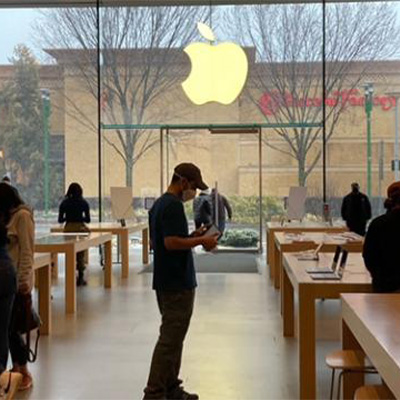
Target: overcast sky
(16, 27)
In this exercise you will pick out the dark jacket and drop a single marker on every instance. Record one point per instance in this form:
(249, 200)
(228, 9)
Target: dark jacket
(356, 211)
(202, 208)
(222, 204)
(381, 252)
(74, 209)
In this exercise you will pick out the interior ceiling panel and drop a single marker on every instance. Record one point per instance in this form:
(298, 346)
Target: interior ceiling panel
(55, 3)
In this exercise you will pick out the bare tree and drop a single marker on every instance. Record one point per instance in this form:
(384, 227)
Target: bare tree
(141, 62)
(286, 83)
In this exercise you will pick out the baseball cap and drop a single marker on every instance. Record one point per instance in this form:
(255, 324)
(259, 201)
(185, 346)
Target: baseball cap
(191, 173)
(394, 190)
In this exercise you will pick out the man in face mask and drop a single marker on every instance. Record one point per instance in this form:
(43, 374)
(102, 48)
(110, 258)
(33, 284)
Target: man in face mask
(174, 280)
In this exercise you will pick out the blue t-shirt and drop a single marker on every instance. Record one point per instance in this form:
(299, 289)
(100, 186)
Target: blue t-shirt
(173, 270)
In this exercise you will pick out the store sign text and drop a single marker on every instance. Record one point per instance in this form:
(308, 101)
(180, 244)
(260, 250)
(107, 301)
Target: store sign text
(271, 102)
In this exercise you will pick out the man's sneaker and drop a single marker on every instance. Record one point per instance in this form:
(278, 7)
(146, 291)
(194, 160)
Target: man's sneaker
(180, 394)
(9, 384)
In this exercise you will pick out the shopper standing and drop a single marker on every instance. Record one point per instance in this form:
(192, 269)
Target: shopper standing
(381, 246)
(174, 280)
(18, 219)
(356, 210)
(74, 210)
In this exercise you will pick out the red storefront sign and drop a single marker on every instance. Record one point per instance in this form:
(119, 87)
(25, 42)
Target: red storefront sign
(271, 102)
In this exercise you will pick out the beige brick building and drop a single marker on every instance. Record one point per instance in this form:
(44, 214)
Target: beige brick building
(232, 160)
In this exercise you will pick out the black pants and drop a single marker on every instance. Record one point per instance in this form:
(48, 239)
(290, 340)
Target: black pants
(18, 349)
(176, 309)
(8, 288)
(72, 227)
(358, 227)
(6, 303)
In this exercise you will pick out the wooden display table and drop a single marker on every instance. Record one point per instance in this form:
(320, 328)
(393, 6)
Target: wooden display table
(123, 233)
(286, 243)
(295, 279)
(370, 322)
(296, 227)
(42, 270)
(70, 245)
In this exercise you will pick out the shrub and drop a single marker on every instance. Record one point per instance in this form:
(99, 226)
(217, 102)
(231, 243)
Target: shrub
(246, 210)
(240, 238)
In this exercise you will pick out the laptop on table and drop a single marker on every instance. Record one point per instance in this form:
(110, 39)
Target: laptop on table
(327, 270)
(334, 276)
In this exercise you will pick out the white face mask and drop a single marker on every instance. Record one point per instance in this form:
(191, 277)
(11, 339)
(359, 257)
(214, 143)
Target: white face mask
(188, 194)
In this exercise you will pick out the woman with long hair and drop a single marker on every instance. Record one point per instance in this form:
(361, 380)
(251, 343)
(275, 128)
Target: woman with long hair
(75, 212)
(18, 219)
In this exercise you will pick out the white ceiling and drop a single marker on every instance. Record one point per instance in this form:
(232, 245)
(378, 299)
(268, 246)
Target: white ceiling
(55, 3)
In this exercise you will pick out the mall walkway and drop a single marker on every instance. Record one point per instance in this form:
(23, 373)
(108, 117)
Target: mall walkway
(235, 349)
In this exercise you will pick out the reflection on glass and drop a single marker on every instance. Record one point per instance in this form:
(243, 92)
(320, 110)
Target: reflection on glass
(60, 239)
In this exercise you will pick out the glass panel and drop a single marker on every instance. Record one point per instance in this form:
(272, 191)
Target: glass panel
(143, 66)
(142, 75)
(48, 106)
(285, 85)
(362, 51)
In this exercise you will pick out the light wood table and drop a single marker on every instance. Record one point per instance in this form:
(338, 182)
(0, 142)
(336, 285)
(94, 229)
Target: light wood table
(295, 279)
(122, 232)
(285, 243)
(70, 245)
(296, 227)
(370, 322)
(42, 269)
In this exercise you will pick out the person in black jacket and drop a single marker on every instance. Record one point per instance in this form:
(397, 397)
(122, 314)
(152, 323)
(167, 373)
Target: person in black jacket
(219, 204)
(202, 209)
(356, 210)
(75, 212)
(381, 246)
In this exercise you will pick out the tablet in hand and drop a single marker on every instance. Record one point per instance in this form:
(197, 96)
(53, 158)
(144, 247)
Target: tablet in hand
(212, 230)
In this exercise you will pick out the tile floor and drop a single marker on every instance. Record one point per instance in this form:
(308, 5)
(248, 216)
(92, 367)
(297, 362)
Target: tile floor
(234, 350)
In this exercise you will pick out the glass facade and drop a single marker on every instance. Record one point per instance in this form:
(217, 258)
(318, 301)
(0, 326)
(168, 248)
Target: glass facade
(127, 64)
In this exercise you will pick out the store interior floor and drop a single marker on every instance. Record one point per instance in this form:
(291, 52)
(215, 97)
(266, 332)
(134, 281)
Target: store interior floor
(234, 349)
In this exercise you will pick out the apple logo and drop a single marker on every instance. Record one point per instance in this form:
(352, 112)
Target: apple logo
(219, 72)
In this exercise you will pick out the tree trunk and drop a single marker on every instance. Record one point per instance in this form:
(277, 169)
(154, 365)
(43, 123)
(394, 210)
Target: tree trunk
(129, 172)
(129, 152)
(302, 176)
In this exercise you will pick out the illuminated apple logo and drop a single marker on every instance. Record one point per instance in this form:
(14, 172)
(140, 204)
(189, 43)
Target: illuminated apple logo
(219, 72)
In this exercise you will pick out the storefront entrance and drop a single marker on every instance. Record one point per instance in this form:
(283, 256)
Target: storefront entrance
(241, 234)
(214, 156)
